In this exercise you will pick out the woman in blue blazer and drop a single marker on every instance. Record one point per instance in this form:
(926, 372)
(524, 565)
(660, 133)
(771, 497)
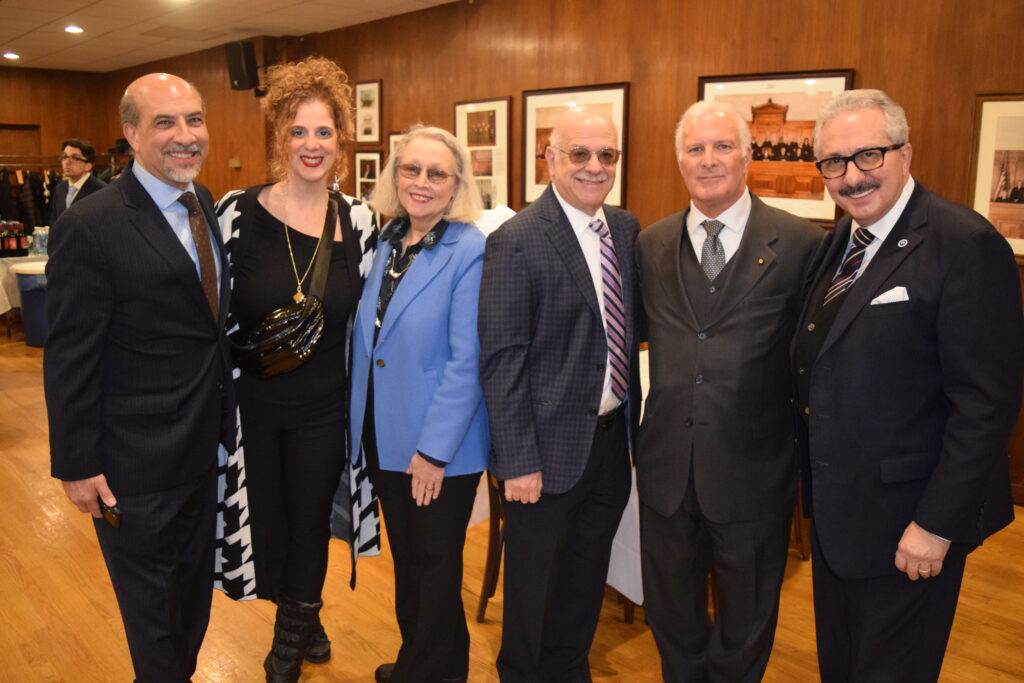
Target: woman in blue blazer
(417, 408)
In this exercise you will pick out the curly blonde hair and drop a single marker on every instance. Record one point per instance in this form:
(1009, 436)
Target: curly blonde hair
(290, 85)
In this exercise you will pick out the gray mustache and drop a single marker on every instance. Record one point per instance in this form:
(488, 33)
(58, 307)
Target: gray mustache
(858, 188)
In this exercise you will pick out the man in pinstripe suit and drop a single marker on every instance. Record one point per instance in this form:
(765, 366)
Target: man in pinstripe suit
(561, 394)
(135, 372)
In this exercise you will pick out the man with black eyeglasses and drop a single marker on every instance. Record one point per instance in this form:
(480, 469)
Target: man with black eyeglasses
(908, 366)
(77, 157)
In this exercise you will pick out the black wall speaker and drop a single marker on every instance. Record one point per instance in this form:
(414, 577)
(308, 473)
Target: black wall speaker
(242, 65)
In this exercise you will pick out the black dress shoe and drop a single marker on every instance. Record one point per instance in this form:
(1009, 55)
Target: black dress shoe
(383, 672)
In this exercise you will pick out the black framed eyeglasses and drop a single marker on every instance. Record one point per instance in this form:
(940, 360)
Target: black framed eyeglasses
(579, 155)
(434, 175)
(72, 157)
(866, 160)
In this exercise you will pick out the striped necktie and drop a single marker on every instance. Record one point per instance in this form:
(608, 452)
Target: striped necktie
(614, 311)
(844, 279)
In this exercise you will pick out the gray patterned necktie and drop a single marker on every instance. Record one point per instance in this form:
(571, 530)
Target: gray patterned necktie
(712, 256)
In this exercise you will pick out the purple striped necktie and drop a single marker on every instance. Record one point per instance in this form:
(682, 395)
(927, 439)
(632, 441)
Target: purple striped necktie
(614, 311)
(843, 280)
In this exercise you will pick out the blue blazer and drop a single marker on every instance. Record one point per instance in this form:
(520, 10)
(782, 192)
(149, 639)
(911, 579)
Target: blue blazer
(426, 386)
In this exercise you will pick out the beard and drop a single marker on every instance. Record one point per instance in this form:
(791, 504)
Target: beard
(177, 173)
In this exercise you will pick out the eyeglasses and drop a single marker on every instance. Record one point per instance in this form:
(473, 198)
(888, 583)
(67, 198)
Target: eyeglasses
(72, 157)
(579, 155)
(865, 160)
(434, 175)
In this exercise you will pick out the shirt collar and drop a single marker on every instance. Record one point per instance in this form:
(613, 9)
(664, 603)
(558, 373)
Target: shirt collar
(884, 225)
(578, 220)
(165, 196)
(735, 217)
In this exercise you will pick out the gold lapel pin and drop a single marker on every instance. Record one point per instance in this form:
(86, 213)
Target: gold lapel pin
(760, 261)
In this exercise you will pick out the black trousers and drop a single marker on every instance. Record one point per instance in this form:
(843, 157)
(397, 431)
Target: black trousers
(161, 566)
(294, 457)
(426, 546)
(749, 560)
(556, 566)
(885, 629)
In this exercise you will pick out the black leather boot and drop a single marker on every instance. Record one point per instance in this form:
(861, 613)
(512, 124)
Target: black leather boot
(293, 632)
(319, 650)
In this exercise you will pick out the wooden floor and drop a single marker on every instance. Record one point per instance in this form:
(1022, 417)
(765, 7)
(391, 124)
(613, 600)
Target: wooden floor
(59, 620)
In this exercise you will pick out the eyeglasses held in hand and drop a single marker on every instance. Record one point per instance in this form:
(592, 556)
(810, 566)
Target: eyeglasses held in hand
(72, 157)
(435, 175)
(579, 155)
(865, 160)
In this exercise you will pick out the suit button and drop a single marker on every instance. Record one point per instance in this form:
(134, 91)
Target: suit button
(801, 371)
(600, 367)
(807, 411)
(380, 362)
(702, 335)
(699, 379)
(712, 289)
(810, 327)
(592, 411)
(689, 422)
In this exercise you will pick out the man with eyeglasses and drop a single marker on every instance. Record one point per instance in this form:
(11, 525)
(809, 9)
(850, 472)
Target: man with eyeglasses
(76, 161)
(908, 366)
(559, 367)
(716, 464)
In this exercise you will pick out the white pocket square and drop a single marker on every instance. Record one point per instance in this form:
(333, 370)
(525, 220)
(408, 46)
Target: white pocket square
(894, 295)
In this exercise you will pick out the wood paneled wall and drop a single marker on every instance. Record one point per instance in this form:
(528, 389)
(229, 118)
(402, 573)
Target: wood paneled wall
(932, 56)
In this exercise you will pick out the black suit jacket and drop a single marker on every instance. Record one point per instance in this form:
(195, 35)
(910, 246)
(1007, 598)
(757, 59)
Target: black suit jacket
(59, 198)
(737, 423)
(542, 342)
(135, 364)
(912, 402)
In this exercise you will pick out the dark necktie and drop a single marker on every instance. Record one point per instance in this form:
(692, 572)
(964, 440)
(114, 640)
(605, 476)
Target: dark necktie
(712, 255)
(614, 311)
(844, 279)
(201, 237)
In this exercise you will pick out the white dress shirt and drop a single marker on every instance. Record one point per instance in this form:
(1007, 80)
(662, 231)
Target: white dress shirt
(735, 220)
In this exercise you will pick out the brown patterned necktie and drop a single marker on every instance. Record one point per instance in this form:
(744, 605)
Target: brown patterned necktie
(201, 237)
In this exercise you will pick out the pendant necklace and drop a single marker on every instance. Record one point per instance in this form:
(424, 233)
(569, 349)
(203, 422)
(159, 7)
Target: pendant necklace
(299, 297)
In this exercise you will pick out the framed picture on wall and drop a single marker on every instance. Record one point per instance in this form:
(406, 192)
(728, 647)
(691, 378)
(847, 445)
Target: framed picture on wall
(996, 180)
(542, 107)
(367, 170)
(393, 140)
(368, 109)
(781, 109)
(482, 127)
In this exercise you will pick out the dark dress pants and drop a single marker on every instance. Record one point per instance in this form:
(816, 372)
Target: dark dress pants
(161, 566)
(556, 565)
(426, 546)
(749, 561)
(885, 629)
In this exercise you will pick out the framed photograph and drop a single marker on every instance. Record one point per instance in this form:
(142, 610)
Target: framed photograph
(366, 173)
(393, 140)
(542, 107)
(781, 109)
(996, 181)
(482, 127)
(368, 108)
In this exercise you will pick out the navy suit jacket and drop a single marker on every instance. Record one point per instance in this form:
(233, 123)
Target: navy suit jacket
(542, 342)
(912, 402)
(60, 195)
(135, 366)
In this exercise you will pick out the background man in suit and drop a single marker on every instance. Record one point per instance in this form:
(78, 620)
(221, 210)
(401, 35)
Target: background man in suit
(135, 371)
(909, 363)
(77, 157)
(559, 370)
(716, 467)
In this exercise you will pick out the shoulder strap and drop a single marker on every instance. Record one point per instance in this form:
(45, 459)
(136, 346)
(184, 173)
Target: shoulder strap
(323, 255)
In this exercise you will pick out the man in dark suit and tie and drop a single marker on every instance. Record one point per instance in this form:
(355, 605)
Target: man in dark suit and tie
(716, 464)
(77, 157)
(135, 374)
(558, 363)
(908, 364)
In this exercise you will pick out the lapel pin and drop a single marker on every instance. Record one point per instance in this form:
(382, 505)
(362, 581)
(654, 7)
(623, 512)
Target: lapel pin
(760, 261)
(902, 243)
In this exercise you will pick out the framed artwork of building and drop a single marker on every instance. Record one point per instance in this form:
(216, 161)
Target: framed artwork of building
(368, 112)
(996, 180)
(482, 126)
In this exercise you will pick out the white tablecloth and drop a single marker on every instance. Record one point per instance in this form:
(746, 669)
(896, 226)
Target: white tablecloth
(10, 297)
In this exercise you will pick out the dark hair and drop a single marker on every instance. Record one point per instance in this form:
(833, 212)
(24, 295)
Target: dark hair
(83, 146)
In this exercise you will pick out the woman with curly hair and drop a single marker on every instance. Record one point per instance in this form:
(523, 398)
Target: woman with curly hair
(280, 238)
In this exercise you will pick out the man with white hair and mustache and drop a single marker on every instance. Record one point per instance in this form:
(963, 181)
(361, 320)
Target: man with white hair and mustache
(135, 374)
(908, 367)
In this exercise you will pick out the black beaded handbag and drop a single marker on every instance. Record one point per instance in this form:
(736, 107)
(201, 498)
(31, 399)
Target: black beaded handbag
(287, 337)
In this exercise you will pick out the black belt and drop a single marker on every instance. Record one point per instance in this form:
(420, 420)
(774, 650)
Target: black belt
(608, 419)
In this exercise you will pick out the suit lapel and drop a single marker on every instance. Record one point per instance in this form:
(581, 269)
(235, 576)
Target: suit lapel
(567, 245)
(903, 239)
(669, 269)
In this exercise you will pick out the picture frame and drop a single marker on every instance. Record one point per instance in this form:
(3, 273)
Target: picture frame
(542, 107)
(781, 109)
(368, 111)
(996, 177)
(393, 139)
(482, 127)
(366, 173)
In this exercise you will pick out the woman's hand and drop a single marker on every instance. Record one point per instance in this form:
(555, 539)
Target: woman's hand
(426, 480)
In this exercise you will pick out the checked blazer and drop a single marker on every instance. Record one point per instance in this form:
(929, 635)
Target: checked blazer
(542, 342)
